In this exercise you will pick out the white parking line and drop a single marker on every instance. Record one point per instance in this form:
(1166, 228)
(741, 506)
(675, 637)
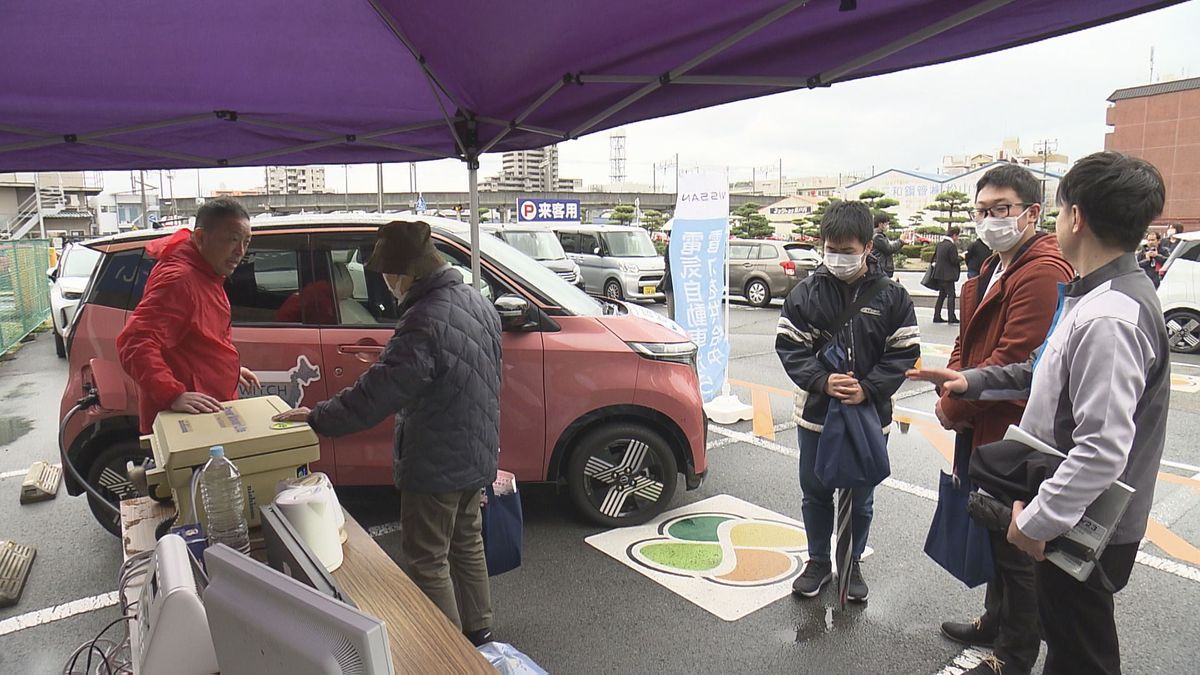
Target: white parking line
(44, 616)
(13, 474)
(386, 528)
(1181, 466)
(966, 660)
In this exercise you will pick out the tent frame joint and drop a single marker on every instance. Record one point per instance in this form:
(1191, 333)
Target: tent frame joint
(227, 115)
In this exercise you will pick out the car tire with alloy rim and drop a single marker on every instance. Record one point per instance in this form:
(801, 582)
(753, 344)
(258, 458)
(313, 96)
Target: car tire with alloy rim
(612, 289)
(758, 293)
(107, 474)
(1183, 331)
(622, 474)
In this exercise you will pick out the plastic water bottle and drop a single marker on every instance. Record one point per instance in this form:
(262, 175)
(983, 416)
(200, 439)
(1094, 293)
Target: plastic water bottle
(221, 490)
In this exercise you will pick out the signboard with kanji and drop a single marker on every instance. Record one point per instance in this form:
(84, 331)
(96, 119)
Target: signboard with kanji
(548, 210)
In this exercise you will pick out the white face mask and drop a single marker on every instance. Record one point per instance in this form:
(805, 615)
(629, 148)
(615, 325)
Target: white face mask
(1000, 234)
(843, 265)
(396, 282)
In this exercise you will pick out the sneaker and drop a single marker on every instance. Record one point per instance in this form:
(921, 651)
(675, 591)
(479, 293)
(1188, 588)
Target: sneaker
(938, 319)
(989, 512)
(479, 637)
(990, 665)
(856, 590)
(972, 634)
(816, 574)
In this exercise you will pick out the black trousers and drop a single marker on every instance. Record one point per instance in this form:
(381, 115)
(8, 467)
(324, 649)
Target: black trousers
(1011, 606)
(1077, 617)
(945, 293)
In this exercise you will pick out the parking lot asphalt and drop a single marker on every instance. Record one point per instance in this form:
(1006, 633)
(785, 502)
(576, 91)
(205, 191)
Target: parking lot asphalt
(574, 609)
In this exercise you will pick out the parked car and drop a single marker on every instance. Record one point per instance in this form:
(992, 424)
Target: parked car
(1179, 294)
(540, 244)
(68, 279)
(596, 397)
(617, 261)
(760, 270)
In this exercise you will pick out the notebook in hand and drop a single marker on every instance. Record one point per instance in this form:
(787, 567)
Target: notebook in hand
(1076, 551)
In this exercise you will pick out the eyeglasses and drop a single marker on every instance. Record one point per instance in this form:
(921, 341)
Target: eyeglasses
(1000, 210)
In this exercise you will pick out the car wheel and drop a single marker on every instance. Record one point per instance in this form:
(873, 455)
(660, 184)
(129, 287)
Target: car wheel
(107, 474)
(612, 289)
(1183, 331)
(60, 345)
(758, 293)
(622, 474)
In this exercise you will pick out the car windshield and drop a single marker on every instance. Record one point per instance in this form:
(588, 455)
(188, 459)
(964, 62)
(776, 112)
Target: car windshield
(541, 279)
(79, 262)
(630, 244)
(536, 245)
(798, 253)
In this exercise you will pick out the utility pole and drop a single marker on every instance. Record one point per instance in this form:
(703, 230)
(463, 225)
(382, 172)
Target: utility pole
(145, 215)
(412, 177)
(379, 184)
(780, 176)
(198, 195)
(1044, 147)
(346, 176)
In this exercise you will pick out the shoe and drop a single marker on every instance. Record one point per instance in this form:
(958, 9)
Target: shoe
(479, 637)
(989, 512)
(952, 320)
(816, 574)
(990, 665)
(856, 590)
(972, 634)
(938, 319)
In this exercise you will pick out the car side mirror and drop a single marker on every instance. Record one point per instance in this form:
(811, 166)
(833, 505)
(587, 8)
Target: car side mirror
(596, 251)
(514, 313)
(52, 274)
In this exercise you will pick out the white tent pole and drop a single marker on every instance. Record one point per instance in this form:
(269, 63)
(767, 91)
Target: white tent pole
(473, 187)
(725, 390)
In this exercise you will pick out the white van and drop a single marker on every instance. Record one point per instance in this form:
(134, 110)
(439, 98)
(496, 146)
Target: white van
(1179, 294)
(618, 261)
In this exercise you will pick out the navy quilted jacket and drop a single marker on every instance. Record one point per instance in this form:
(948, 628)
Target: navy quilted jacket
(440, 376)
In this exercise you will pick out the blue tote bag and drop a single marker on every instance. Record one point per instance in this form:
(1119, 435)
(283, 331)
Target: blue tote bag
(956, 542)
(503, 527)
(852, 452)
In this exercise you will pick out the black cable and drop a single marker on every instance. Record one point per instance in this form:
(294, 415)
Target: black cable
(78, 653)
(86, 402)
(107, 665)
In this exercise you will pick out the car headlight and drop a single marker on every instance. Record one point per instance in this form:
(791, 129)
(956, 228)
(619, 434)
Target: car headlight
(674, 352)
(630, 268)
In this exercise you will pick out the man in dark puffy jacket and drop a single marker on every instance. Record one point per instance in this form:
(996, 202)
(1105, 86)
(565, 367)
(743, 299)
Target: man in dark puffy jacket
(883, 249)
(881, 340)
(440, 376)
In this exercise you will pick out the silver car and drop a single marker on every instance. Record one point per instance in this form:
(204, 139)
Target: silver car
(760, 270)
(542, 245)
(618, 261)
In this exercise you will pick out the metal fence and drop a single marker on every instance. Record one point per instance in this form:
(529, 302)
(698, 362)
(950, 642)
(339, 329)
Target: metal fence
(24, 290)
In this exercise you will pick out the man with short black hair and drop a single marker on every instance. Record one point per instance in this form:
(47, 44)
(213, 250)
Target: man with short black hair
(1101, 395)
(947, 268)
(882, 248)
(1006, 312)
(882, 340)
(178, 344)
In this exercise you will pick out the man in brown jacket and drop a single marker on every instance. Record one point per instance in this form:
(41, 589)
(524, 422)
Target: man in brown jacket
(1006, 314)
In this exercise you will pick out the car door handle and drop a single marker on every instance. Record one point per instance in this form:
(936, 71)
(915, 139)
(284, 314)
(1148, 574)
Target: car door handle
(360, 349)
(747, 265)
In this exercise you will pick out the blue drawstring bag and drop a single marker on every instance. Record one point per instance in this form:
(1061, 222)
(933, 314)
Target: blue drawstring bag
(956, 542)
(503, 526)
(852, 452)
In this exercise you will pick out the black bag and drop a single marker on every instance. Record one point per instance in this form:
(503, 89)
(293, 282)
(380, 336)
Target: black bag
(928, 281)
(956, 542)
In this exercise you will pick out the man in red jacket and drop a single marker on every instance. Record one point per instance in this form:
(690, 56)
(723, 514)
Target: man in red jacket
(1006, 313)
(178, 344)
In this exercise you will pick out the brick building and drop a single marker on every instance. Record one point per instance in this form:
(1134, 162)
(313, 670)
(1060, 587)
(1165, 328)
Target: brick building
(1161, 123)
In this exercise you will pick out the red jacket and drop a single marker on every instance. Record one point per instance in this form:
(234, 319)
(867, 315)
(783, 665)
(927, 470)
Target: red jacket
(179, 338)
(1006, 327)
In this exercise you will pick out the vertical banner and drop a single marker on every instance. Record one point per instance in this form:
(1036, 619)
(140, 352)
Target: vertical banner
(698, 247)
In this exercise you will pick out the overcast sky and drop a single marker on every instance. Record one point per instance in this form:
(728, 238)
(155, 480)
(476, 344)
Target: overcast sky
(1055, 89)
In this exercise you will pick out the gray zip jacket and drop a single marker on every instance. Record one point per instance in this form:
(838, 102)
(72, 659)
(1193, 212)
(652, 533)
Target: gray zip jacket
(1098, 390)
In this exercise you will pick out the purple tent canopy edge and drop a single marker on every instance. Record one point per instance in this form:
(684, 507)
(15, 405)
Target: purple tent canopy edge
(145, 85)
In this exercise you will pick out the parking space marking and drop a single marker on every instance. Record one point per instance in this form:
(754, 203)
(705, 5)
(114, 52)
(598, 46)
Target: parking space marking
(58, 612)
(1172, 544)
(764, 421)
(13, 474)
(384, 529)
(966, 660)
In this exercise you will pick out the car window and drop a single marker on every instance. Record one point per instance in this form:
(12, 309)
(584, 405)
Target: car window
(570, 241)
(535, 244)
(767, 252)
(588, 243)
(461, 262)
(630, 244)
(1191, 251)
(120, 280)
(79, 261)
(739, 251)
(262, 288)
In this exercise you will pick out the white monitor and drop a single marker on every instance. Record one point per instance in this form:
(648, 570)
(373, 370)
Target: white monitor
(264, 622)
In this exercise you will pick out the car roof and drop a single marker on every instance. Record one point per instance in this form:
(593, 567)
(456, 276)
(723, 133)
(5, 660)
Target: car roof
(314, 220)
(597, 228)
(1189, 236)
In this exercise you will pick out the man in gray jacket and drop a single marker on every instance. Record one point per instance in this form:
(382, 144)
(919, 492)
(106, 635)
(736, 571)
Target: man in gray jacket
(1101, 395)
(440, 376)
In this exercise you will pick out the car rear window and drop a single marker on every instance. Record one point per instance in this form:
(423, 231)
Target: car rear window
(120, 280)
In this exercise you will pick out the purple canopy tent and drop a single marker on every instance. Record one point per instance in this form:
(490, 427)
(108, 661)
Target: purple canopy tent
(142, 84)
